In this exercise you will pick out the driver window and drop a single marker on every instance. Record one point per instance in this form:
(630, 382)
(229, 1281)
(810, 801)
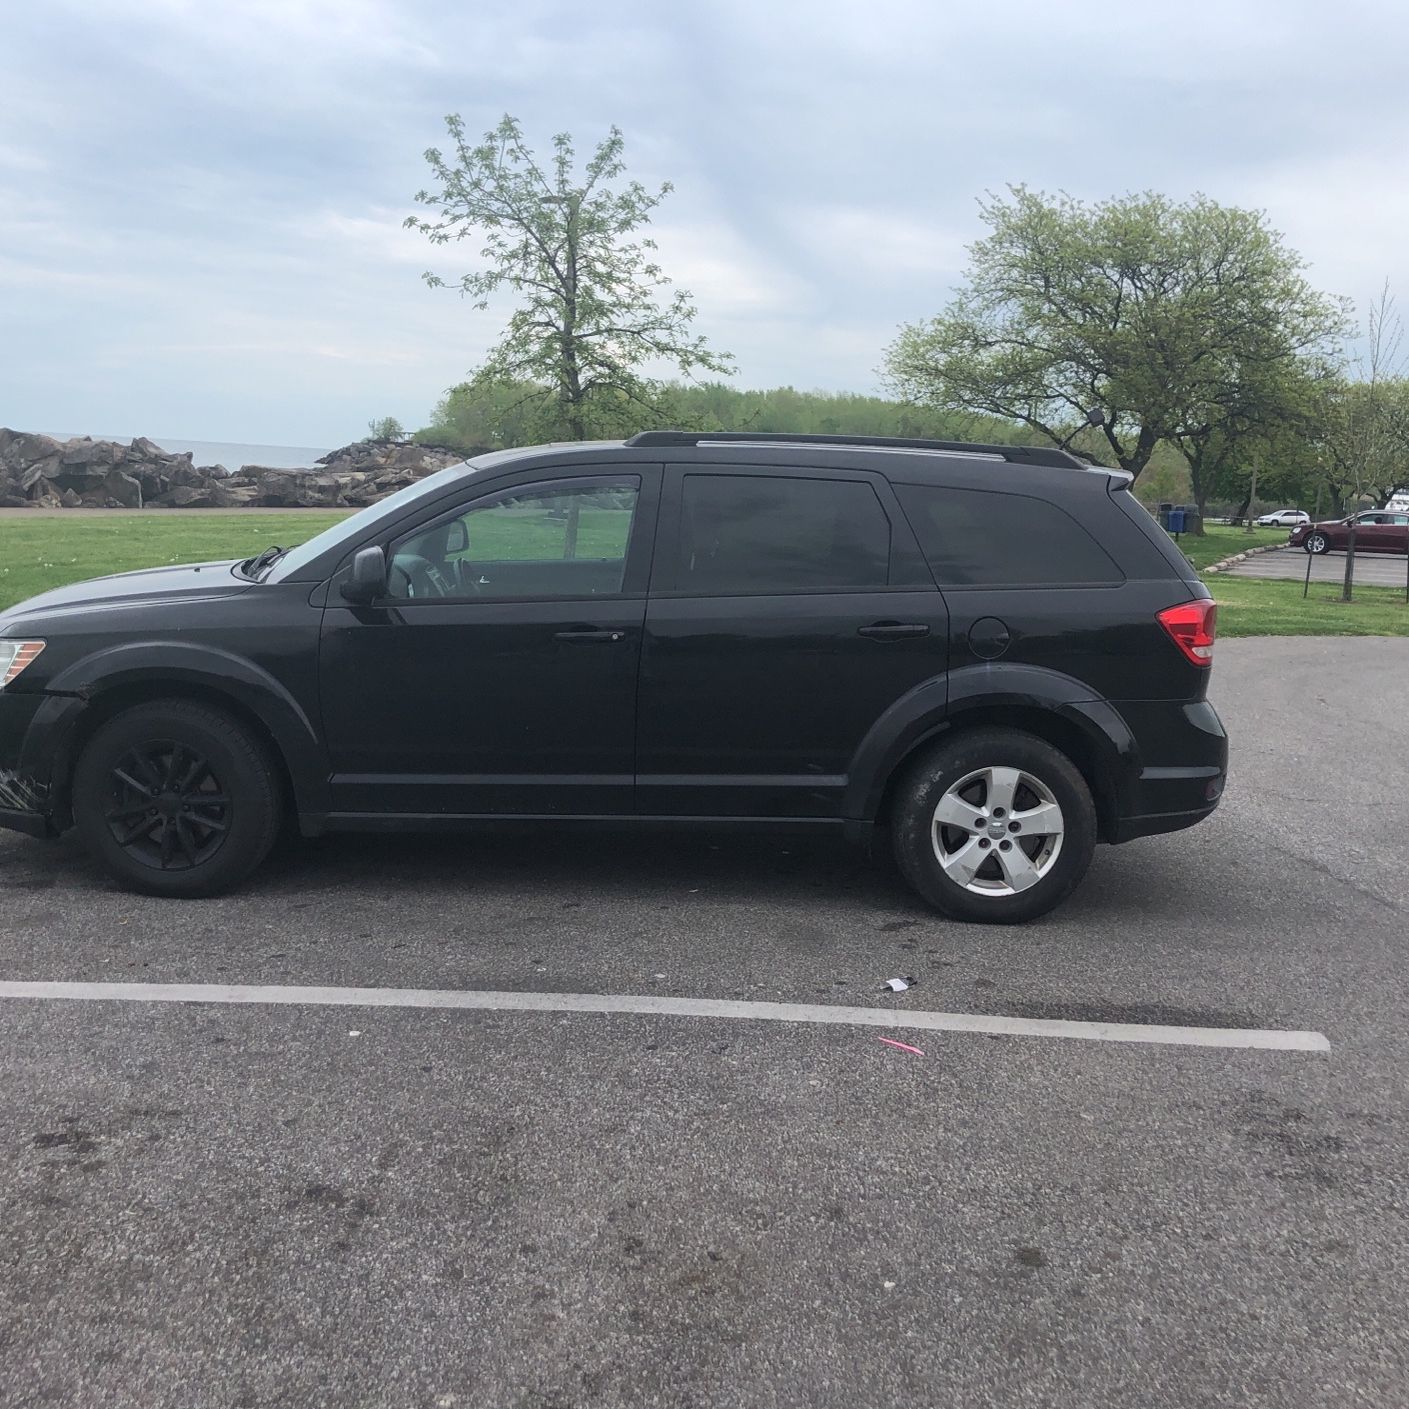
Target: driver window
(567, 539)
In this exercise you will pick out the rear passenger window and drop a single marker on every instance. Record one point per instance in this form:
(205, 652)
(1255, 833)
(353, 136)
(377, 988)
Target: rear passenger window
(743, 534)
(977, 538)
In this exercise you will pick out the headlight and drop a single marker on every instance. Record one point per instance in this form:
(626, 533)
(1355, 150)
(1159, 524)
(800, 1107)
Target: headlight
(14, 656)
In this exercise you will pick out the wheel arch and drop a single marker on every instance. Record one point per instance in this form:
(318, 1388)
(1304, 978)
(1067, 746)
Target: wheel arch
(1053, 707)
(113, 681)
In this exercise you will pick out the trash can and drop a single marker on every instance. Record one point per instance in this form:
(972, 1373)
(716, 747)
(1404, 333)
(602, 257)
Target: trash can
(1176, 521)
(1162, 514)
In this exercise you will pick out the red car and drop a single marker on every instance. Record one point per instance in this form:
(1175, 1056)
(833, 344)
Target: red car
(1376, 531)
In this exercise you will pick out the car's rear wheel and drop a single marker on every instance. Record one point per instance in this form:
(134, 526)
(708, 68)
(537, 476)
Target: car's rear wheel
(994, 825)
(1318, 543)
(175, 798)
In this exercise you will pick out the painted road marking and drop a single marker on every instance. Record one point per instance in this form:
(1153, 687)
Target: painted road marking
(912, 1020)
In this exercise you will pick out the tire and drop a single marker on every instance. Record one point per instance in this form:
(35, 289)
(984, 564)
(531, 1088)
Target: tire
(958, 776)
(1318, 543)
(202, 785)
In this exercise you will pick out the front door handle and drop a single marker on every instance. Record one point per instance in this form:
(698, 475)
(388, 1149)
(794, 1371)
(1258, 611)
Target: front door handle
(587, 634)
(893, 630)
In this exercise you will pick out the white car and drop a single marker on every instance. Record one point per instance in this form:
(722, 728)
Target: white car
(1284, 518)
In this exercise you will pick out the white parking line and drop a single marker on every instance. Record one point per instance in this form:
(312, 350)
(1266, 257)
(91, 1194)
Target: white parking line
(912, 1020)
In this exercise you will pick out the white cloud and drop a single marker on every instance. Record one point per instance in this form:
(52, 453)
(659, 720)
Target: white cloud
(882, 244)
(201, 203)
(726, 274)
(1346, 214)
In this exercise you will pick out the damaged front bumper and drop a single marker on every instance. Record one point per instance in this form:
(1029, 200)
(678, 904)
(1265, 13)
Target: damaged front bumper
(25, 792)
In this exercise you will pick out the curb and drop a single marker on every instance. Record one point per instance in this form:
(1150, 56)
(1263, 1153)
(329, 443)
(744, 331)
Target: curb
(1225, 563)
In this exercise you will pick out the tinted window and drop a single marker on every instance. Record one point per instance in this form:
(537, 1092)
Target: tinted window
(541, 540)
(743, 534)
(976, 538)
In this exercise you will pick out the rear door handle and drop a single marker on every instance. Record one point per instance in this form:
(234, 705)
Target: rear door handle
(587, 634)
(893, 630)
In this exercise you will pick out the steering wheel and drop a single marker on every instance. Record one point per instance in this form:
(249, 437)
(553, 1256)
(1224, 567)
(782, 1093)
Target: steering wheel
(423, 578)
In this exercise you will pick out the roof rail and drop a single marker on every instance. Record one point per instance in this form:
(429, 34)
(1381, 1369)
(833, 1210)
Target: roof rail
(1017, 454)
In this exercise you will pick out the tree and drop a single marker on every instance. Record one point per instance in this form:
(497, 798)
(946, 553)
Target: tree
(1160, 315)
(1265, 410)
(592, 311)
(1363, 426)
(386, 428)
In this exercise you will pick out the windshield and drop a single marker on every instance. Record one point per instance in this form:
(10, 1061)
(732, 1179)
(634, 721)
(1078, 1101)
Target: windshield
(296, 558)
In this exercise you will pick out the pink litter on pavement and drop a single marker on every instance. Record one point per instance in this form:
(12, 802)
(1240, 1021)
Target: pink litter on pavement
(904, 1046)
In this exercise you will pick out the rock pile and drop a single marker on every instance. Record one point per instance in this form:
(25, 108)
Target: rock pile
(40, 472)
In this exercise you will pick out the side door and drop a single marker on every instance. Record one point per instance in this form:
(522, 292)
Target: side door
(498, 676)
(1372, 534)
(789, 608)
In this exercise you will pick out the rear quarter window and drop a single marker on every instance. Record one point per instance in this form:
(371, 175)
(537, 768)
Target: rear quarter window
(983, 538)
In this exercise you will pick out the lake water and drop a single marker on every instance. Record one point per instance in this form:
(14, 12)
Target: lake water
(231, 454)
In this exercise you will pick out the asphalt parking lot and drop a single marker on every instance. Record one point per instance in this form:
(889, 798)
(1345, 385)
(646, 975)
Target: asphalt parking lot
(244, 1204)
(1371, 569)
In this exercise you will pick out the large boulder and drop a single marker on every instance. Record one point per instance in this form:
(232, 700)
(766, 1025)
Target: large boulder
(123, 490)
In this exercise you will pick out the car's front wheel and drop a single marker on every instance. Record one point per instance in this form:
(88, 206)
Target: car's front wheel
(175, 798)
(994, 825)
(1317, 543)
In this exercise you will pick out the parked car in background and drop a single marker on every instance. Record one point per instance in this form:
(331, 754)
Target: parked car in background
(1284, 518)
(1376, 531)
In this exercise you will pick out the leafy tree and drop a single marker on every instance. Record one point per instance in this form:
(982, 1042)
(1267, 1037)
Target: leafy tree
(1363, 436)
(386, 428)
(1165, 316)
(592, 308)
(1266, 412)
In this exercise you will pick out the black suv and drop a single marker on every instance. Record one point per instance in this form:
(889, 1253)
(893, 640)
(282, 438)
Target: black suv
(990, 652)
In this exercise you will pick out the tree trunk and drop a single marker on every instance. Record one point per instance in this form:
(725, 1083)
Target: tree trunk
(571, 376)
(1199, 487)
(1348, 585)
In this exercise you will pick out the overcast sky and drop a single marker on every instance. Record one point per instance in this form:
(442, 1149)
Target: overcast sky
(201, 200)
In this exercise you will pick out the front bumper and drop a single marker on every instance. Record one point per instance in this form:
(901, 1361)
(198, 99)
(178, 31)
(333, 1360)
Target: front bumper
(32, 729)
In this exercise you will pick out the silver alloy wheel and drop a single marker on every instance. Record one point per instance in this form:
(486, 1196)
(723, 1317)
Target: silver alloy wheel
(1316, 544)
(997, 831)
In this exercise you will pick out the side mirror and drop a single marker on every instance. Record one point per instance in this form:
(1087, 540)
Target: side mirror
(368, 579)
(1095, 417)
(457, 537)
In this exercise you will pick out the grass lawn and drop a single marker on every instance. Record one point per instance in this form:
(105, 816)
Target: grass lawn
(1220, 541)
(39, 553)
(1252, 606)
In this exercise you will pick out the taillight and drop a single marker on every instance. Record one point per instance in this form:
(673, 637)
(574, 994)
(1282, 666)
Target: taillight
(1192, 626)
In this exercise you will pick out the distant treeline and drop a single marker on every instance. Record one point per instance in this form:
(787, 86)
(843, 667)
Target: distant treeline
(505, 415)
(473, 417)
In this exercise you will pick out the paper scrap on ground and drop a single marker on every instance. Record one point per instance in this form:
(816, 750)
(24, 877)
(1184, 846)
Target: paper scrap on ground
(896, 985)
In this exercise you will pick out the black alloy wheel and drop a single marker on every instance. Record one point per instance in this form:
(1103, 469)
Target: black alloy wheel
(168, 808)
(176, 797)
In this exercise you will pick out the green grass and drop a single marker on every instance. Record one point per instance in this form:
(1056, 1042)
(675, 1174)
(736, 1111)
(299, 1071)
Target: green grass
(1220, 541)
(43, 552)
(1249, 606)
(1254, 606)
(513, 535)
(39, 553)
